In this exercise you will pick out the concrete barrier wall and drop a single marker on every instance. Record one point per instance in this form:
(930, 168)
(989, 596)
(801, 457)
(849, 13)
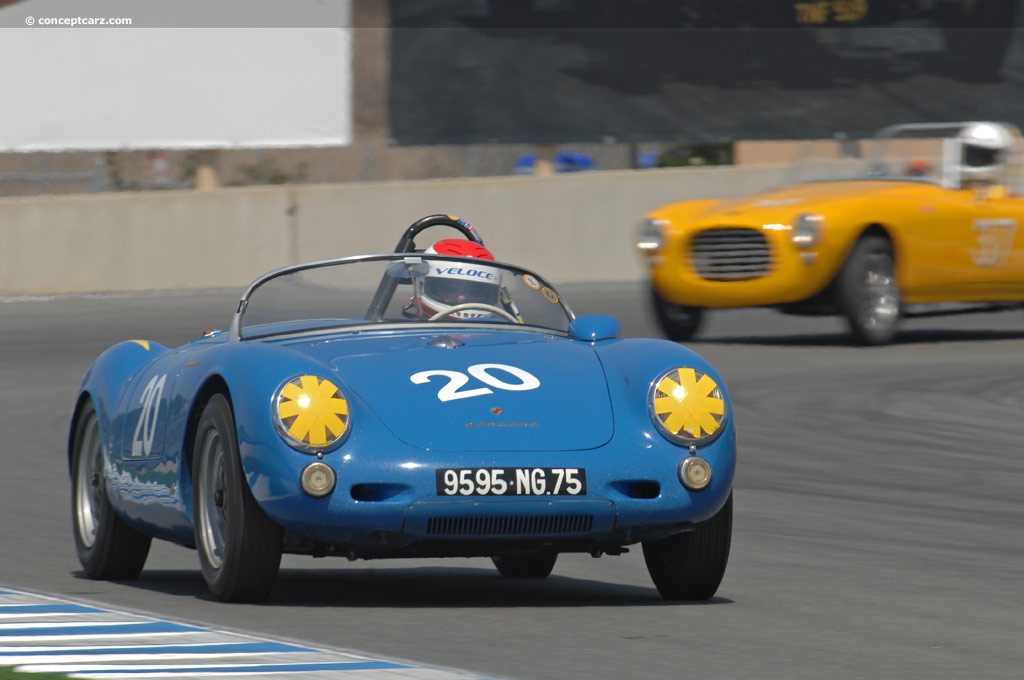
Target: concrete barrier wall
(570, 228)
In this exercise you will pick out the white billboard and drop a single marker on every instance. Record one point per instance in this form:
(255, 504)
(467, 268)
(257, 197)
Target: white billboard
(92, 88)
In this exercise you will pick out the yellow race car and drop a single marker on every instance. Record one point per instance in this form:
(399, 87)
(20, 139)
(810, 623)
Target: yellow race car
(930, 217)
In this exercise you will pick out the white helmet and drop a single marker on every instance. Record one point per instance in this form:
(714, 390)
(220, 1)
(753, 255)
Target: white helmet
(983, 148)
(448, 283)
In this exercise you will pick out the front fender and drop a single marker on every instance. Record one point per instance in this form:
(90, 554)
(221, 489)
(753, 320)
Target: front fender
(249, 374)
(631, 367)
(107, 379)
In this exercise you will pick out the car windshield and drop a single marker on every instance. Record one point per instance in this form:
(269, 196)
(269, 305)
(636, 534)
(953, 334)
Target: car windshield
(354, 293)
(927, 152)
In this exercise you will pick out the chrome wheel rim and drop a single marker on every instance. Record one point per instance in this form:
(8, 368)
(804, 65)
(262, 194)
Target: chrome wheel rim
(88, 490)
(880, 301)
(212, 498)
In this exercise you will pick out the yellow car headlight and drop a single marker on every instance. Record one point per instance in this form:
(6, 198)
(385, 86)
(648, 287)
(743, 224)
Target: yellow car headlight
(311, 413)
(650, 237)
(688, 406)
(807, 230)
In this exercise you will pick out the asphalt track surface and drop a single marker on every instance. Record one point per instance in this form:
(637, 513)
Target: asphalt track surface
(877, 528)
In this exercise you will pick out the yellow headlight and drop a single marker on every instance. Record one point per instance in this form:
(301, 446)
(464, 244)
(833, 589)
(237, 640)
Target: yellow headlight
(650, 235)
(688, 406)
(807, 230)
(311, 413)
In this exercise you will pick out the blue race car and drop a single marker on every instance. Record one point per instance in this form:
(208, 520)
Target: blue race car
(431, 402)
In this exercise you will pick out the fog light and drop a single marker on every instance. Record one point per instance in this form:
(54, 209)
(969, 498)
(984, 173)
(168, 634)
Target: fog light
(695, 473)
(318, 479)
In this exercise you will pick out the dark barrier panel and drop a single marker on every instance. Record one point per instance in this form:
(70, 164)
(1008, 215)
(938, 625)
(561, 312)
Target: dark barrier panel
(536, 71)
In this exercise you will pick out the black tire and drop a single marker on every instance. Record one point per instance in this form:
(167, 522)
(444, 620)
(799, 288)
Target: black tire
(108, 548)
(867, 292)
(678, 322)
(239, 546)
(690, 566)
(525, 565)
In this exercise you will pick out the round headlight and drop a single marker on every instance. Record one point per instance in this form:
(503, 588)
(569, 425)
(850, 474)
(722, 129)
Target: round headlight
(651, 235)
(311, 413)
(688, 406)
(807, 230)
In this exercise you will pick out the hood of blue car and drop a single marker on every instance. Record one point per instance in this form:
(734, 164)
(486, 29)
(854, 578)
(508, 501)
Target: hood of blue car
(487, 391)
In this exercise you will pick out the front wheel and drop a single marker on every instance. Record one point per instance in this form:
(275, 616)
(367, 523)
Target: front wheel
(690, 566)
(239, 546)
(106, 546)
(868, 294)
(678, 322)
(529, 565)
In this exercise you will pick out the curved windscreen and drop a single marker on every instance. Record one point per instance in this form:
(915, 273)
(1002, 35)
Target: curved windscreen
(356, 292)
(929, 152)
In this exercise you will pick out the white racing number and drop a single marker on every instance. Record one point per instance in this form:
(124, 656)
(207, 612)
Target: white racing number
(995, 237)
(453, 389)
(145, 430)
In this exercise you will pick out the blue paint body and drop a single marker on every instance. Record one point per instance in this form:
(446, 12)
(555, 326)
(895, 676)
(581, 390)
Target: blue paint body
(589, 411)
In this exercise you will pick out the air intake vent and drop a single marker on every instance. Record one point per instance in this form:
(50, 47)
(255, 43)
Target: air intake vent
(548, 525)
(734, 254)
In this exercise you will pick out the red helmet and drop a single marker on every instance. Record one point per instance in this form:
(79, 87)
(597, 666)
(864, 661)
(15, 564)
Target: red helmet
(447, 284)
(460, 248)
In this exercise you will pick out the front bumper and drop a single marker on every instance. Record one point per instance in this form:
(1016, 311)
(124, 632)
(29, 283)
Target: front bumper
(391, 508)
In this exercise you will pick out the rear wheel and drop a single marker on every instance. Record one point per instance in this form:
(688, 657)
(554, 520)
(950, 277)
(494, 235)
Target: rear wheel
(690, 566)
(678, 322)
(106, 546)
(867, 291)
(528, 565)
(239, 546)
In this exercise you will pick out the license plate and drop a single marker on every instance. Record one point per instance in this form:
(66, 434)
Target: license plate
(511, 481)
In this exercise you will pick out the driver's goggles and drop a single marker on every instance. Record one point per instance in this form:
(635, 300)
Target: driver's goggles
(451, 291)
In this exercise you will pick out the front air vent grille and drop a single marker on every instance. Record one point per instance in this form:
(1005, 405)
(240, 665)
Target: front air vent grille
(732, 254)
(545, 525)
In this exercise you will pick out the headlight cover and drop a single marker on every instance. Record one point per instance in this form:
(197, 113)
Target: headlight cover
(311, 413)
(807, 230)
(650, 235)
(688, 406)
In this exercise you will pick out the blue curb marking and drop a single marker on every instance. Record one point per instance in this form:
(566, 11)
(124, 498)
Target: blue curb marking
(142, 628)
(265, 668)
(203, 648)
(41, 634)
(6, 609)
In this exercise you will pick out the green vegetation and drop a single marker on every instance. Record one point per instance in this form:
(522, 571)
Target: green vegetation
(11, 674)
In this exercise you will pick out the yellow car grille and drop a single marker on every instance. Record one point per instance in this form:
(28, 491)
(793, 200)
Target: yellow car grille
(731, 254)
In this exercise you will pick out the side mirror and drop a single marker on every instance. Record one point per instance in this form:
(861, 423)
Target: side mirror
(594, 327)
